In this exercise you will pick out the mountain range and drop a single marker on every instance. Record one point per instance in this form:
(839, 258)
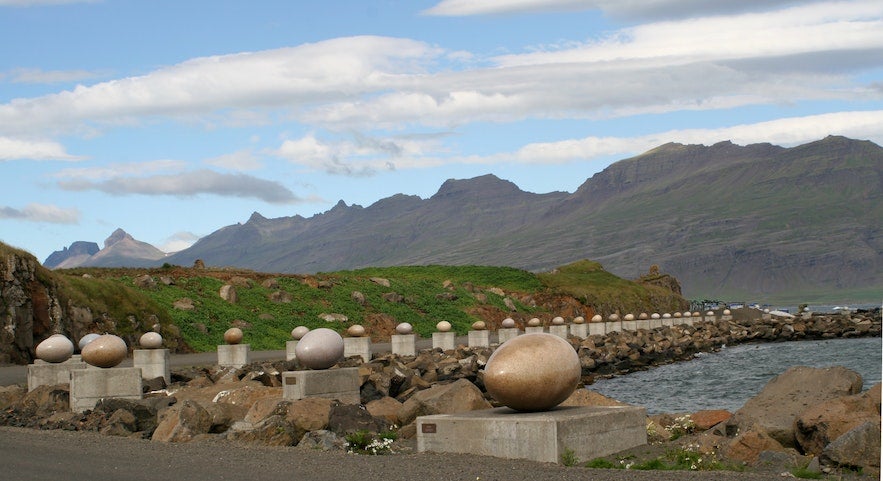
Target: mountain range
(728, 221)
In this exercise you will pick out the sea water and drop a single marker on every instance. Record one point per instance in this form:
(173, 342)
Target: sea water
(728, 378)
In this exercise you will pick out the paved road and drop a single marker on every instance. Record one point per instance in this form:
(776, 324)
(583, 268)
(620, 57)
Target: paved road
(15, 374)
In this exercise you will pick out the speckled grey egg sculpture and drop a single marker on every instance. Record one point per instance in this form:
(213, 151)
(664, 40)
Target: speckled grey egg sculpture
(356, 330)
(105, 351)
(299, 332)
(655, 315)
(150, 340)
(404, 328)
(87, 339)
(533, 372)
(319, 349)
(233, 335)
(55, 348)
(508, 323)
(443, 326)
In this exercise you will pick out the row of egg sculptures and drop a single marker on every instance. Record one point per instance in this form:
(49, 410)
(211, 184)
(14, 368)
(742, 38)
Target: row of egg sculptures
(105, 350)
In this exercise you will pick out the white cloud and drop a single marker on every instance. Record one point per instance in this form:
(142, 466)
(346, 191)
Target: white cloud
(122, 169)
(41, 213)
(29, 149)
(457, 8)
(39, 76)
(242, 160)
(189, 184)
(178, 242)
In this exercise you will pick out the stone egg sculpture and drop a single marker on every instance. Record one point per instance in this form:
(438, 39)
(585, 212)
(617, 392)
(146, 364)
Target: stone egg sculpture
(666, 316)
(55, 348)
(443, 326)
(150, 340)
(642, 316)
(508, 323)
(404, 328)
(87, 339)
(558, 321)
(320, 348)
(298, 332)
(727, 312)
(479, 326)
(233, 335)
(709, 313)
(655, 315)
(697, 314)
(613, 317)
(356, 330)
(105, 351)
(676, 314)
(533, 372)
(597, 318)
(534, 322)
(579, 320)
(629, 317)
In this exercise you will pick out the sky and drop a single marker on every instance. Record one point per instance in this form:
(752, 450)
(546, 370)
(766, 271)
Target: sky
(173, 119)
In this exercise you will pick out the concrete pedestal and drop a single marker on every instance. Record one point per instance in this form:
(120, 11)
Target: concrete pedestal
(154, 363)
(289, 350)
(580, 331)
(655, 323)
(88, 386)
(534, 329)
(612, 326)
(357, 346)
(233, 355)
(559, 330)
(341, 384)
(43, 373)
(597, 328)
(506, 333)
(589, 431)
(643, 324)
(404, 344)
(479, 338)
(443, 340)
(630, 326)
(668, 322)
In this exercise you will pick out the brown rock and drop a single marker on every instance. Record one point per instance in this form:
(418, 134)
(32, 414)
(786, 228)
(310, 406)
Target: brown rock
(748, 445)
(10, 395)
(827, 421)
(386, 408)
(707, 419)
(224, 415)
(351, 418)
(457, 397)
(310, 414)
(858, 447)
(272, 431)
(775, 408)
(181, 422)
(228, 293)
(585, 397)
(261, 409)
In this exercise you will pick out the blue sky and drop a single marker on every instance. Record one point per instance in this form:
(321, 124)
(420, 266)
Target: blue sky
(172, 119)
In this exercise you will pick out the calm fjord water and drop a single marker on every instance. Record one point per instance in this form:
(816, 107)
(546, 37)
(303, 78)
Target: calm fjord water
(728, 378)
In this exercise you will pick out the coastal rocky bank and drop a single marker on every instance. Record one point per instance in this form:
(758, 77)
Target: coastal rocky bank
(808, 418)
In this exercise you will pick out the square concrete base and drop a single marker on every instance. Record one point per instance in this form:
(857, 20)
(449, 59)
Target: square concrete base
(534, 329)
(154, 363)
(597, 328)
(579, 330)
(88, 386)
(289, 350)
(233, 355)
(404, 344)
(506, 333)
(341, 384)
(357, 346)
(479, 338)
(589, 431)
(630, 326)
(443, 340)
(559, 330)
(47, 373)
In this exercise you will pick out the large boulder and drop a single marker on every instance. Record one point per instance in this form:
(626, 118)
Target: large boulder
(182, 422)
(827, 421)
(857, 448)
(351, 418)
(310, 414)
(749, 444)
(459, 396)
(776, 407)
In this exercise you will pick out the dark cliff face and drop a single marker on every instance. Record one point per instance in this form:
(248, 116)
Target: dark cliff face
(78, 248)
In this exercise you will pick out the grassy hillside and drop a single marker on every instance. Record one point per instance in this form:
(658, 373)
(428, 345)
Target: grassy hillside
(269, 306)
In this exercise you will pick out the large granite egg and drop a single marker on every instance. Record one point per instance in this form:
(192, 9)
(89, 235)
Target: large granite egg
(356, 330)
(558, 321)
(443, 326)
(105, 351)
(299, 332)
(87, 339)
(404, 328)
(150, 340)
(533, 372)
(233, 335)
(55, 348)
(508, 323)
(319, 349)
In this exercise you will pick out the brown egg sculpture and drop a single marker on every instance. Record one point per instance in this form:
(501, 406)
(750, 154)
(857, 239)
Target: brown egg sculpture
(533, 372)
(443, 326)
(55, 348)
(479, 326)
(105, 351)
(150, 340)
(356, 330)
(233, 335)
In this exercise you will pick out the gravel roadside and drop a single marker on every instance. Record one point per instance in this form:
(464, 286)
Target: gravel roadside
(28, 454)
